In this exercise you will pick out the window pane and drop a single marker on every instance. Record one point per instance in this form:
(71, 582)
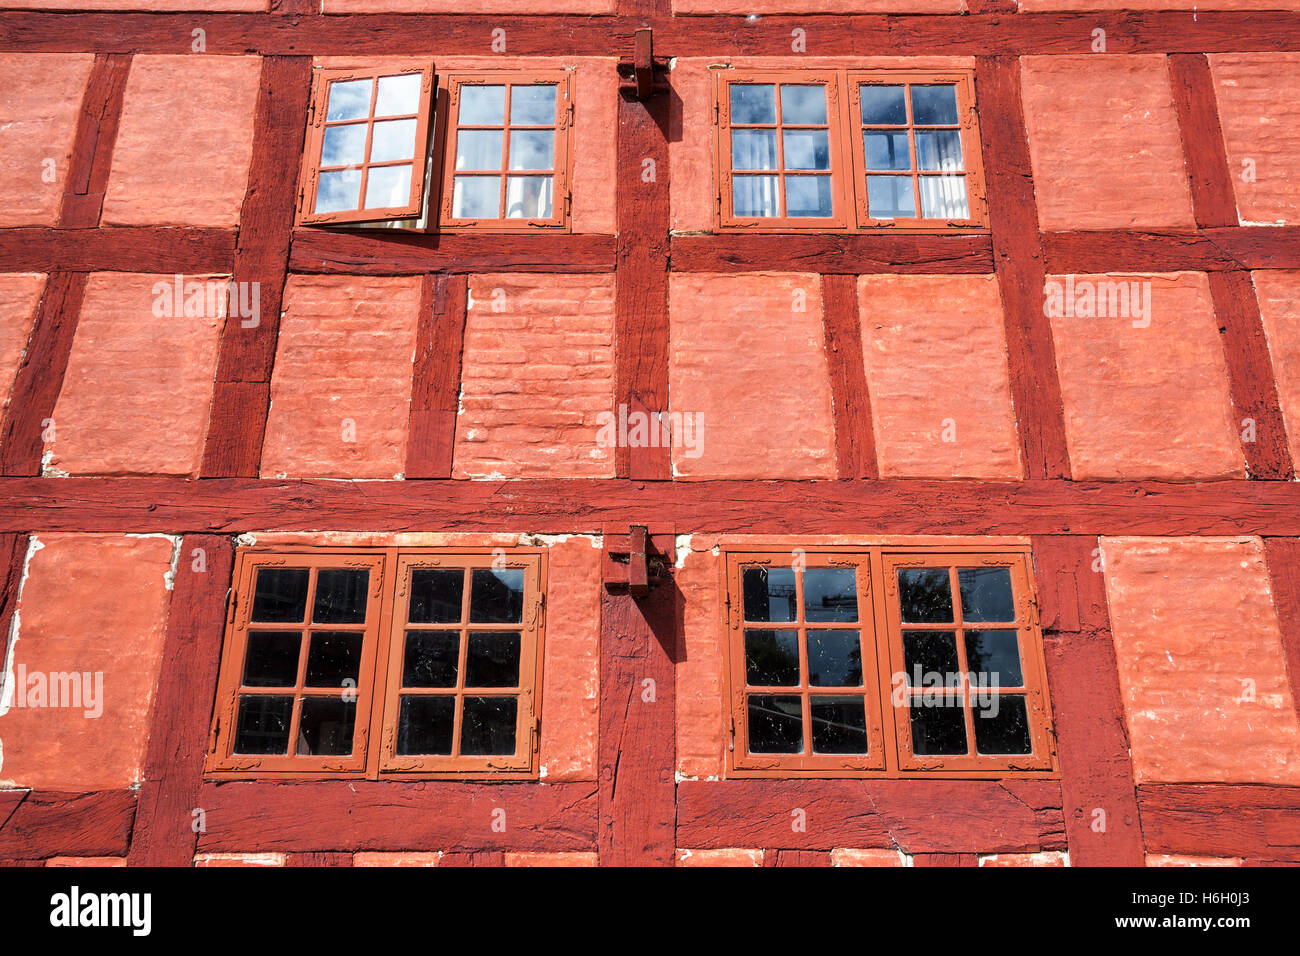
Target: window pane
(769, 594)
(492, 659)
(1003, 726)
(753, 149)
(338, 190)
(830, 594)
(482, 105)
(340, 596)
(476, 197)
(803, 104)
(325, 726)
(393, 139)
(944, 197)
(754, 195)
(808, 196)
(806, 149)
(883, 106)
(398, 95)
(348, 99)
(388, 186)
(986, 594)
(271, 659)
(772, 658)
(263, 725)
(280, 595)
(478, 149)
(930, 657)
(332, 658)
(834, 659)
(532, 149)
(753, 103)
(425, 725)
(938, 728)
(528, 197)
(344, 145)
(924, 595)
(497, 597)
(532, 105)
(890, 197)
(934, 105)
(436, 595)
(839, 725)
(993, 658)
(488, 725)
(939, 149)
(432, 659)
(775, 724)
(887, 150)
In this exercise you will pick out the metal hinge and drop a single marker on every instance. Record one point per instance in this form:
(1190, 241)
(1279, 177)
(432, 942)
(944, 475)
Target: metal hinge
(234, 604)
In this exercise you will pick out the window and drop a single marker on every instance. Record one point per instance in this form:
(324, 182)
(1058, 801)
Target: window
(372, 662)
(876, 661)
(903, 153)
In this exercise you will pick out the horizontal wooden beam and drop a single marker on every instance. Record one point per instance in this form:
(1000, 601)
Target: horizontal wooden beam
(391, 253)
(49, 823)
(234, 505)
(149, 249)
(829, 254)
(1258, 823)
(1205, 250)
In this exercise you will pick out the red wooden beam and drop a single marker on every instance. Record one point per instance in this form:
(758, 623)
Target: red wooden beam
(855, 443)
(1202, 137)
(1206, 250)
(147, 249)
(1283, 558)
(1256, 822)
(435, 385)
(643, 64)
(390, 253)
(828, 253)
(92, 156)
(52, 823)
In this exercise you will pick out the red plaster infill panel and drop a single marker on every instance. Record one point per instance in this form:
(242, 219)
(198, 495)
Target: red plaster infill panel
(538, 373)
(1279, 308)
(42, 99)
(1200, 659)
(1103, 137)
(550, 859)
(20, 295)
(570, 673)
(185, 6)
(1259, 107)
(469, 6)
(935, 350)
(1034, 6)
(747, 359)
(341, 389)
(818, 6)
(138, 389)
(701, 693)
(185, 141)
(95, 605)
(1147, 401)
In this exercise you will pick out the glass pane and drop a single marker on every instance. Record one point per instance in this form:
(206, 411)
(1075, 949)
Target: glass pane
(476, 197)
(280, 595)
(753, 103)
(528, 197)
(482, 106)
(271, 659)
(340, 596)
(263, 725)
(332, 658)
(993, 658)
(393, 139)
(772, 658)
(986, 594)
(488, 725)
(939, 149)
(436, 595)
(478, 149)
(769, 594)
(532, 149)
(348, 99)
(775, 724)
(806, 149)
(497, 597)
(344, 145)
(388, 186)
(834, 659)
(930, 658)
(338, 191)
(325, 726)
(887, 150)
(938, 728)
(839, 725)
(532, 105)
(808, 196)
(753, 149)
(890, 197)
(431, 659)
(830, 594)
(398, 95)
(924, 595)
(425, 725)
(883, 106)
(1002, 727)
(492, 659)
(803, 105)
(944, 197)
(754, 196)
(934, 105)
